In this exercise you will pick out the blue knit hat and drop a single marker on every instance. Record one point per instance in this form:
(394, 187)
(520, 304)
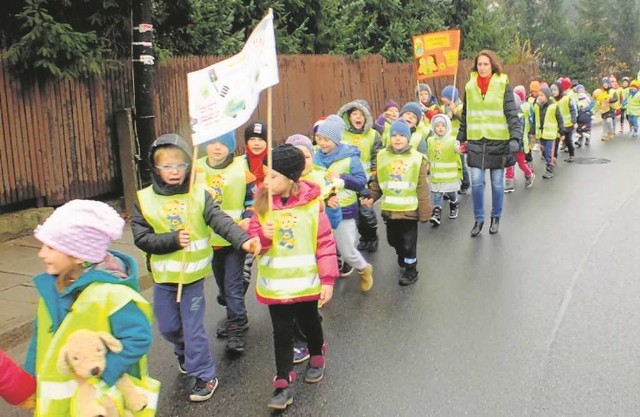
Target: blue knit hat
(412, 107)
(606, 80)
(400, 127)
(451, 93)
(228, 140)
(332, 128)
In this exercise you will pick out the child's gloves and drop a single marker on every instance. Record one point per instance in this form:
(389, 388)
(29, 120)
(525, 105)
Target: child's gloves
(463, 147)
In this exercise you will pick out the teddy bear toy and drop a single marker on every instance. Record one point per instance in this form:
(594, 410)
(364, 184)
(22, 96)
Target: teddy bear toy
(84, 355)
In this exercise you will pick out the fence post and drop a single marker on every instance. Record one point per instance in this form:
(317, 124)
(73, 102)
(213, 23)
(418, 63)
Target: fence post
(127, 151)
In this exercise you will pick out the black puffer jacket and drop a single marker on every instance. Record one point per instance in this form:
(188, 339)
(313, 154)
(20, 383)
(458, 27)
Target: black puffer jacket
(493, 153)
(150, 242)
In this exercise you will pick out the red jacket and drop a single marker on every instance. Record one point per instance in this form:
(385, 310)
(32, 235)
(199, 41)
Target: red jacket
(16, 385)
(326, 249)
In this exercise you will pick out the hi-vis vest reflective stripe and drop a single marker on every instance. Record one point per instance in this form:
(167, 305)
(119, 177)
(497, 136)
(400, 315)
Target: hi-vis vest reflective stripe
(91, 311)
(445, 163)
(485, 116)
(364, 142)
(228, 188)
(289, 268)
(526, 109)
(565, 111)
(163, 213)
(550, 127)
(398, 178)
(345, 197)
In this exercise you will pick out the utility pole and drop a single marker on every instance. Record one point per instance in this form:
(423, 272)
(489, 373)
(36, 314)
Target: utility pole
(144, 84)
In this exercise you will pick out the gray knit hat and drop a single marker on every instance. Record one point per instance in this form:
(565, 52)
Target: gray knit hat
(332, 128)
(547, 92)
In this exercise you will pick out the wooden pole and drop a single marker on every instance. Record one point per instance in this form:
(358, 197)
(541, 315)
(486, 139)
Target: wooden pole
(269, 144)
(192, 178)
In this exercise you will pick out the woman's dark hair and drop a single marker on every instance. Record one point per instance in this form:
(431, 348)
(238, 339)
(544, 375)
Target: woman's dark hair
(496, 66)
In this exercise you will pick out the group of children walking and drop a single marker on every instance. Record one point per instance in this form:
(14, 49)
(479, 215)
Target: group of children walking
(218, 214)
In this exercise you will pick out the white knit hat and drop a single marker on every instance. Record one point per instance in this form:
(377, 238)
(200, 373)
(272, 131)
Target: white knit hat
(82, 229)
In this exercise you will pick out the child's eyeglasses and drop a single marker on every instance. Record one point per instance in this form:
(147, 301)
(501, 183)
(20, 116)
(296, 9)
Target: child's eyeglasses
(172, 167)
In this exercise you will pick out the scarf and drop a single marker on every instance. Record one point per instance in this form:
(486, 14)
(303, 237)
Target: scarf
(256, 164)
(483, 84)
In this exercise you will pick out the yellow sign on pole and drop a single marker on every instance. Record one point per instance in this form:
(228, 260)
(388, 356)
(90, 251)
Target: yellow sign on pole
(436, 54)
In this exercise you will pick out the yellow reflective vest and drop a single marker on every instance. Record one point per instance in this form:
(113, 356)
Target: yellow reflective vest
(169, 213)
(345, 197)
(91, 310)
(398, 176)
(228, 188)
(445, 164)
(485, 115)
(549, 130)
(289, 269)
(364, 142)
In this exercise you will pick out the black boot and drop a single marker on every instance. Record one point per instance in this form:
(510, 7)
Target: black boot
(477, 228)
(435, 217)
(453, 209)
(372, 245)
(409, 276)
(495, 224)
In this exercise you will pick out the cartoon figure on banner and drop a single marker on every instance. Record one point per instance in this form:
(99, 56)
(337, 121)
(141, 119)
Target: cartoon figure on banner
(427, 65)
(287, 235)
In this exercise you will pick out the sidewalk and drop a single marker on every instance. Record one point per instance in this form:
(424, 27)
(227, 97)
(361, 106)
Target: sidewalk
(19, 263)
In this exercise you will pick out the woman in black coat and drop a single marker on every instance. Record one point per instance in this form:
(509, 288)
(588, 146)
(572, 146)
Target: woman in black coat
(491, 130)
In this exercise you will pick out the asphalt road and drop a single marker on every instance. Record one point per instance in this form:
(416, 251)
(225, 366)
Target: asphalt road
(541, 319)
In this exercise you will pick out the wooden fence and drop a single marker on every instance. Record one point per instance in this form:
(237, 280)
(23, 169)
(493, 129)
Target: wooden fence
(58, 141)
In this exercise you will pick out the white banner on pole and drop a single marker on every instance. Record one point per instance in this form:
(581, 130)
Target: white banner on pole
(223, 96)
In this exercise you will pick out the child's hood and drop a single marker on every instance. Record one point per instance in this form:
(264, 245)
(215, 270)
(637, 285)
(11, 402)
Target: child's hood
(361, 105)
(159, 186)
(441, 118)
(342, 151)
(307, 191)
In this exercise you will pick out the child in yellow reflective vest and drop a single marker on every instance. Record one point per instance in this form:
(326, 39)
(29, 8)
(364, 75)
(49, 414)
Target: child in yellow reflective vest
(401, 183)
(231, 185)
(171, 224)
(85, 286)
(297, 266)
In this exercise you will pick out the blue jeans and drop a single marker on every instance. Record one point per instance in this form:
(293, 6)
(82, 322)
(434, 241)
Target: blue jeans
(436, 198)
(477, 192)
(182, 324)
(548, 150)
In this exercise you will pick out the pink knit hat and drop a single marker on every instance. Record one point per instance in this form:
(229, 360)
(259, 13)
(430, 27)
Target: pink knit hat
(82, 229)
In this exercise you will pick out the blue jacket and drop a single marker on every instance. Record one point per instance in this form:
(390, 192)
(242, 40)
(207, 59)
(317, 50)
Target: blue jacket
(129, 324)
(355, 180)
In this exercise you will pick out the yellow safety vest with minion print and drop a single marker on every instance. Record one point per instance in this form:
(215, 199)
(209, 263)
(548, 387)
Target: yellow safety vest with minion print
(398, 176)
(227, 186)
(167, 214)
(485, 115)
(445, 164)
(55, 395)
(289, 269)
